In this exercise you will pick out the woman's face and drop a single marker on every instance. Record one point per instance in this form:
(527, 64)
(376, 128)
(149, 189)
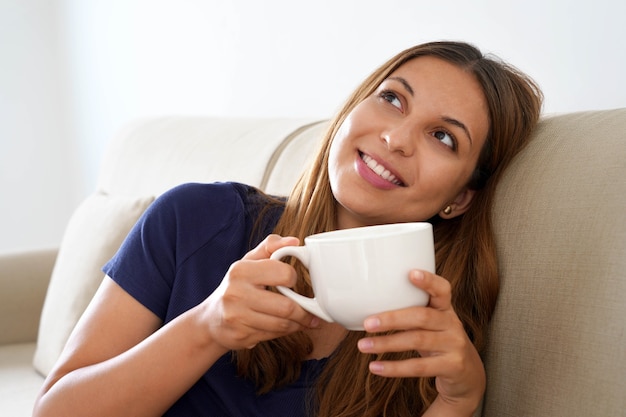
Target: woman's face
(408, 150)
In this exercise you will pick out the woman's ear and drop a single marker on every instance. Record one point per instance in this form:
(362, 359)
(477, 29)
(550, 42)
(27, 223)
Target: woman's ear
(460, 205)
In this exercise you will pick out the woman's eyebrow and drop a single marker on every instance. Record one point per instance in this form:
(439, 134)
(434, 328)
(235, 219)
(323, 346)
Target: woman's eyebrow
(459, 124)
(446, 119)
(404, 83)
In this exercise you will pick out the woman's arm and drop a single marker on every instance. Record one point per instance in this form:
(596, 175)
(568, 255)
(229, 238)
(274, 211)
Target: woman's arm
(119, 361)
(445, 351)
(116, 363)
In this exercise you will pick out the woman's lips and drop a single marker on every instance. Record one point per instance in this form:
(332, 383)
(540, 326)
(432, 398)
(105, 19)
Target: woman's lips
(377, 173)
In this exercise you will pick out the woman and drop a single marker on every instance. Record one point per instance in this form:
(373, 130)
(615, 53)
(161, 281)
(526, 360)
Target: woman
(187, 322)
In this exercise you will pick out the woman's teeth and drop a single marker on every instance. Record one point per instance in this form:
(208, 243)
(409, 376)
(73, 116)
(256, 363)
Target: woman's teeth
(380, 170)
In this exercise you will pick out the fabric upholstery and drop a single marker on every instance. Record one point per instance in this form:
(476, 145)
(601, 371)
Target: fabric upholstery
(24, 279)
(19, 382)
(94, 233)
(294, 154)
(164, 152)
(557, 339)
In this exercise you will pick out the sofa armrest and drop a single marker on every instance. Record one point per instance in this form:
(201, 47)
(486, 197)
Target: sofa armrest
(24, 278)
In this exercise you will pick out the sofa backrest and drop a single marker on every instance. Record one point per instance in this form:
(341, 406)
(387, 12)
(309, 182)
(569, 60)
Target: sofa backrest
(151, 156)
(558, 341)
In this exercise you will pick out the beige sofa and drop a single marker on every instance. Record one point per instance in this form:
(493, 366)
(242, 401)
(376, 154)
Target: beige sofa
(558, 340)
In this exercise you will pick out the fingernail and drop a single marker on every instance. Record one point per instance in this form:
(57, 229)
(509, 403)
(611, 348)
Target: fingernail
(315, 322)
(371, 324)
(376, 367)
(365, 345)
(418, 275)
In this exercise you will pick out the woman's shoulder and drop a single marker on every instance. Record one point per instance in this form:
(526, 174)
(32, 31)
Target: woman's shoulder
(219, 200)
(207, 208)
(191, 227)
(216, 193)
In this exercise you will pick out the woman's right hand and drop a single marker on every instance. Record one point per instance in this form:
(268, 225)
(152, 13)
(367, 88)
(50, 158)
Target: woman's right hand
(241, 312)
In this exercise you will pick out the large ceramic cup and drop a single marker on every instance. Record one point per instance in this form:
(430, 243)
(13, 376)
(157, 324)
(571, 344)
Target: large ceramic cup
(363, 271)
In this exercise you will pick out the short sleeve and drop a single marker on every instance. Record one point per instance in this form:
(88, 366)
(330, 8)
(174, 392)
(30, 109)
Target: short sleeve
(172, 241)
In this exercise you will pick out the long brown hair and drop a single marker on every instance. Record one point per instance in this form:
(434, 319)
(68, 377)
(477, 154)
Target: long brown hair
(465, 249)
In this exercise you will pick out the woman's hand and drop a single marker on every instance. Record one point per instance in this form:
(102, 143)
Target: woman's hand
(437, 334)
(242, 312)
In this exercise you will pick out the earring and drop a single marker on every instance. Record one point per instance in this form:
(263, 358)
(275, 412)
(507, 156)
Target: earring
(447, 210)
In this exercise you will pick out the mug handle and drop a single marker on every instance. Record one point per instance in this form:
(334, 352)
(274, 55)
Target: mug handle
(309, 304)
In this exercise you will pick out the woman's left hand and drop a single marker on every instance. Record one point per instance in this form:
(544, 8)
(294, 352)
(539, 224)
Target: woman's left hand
(437, 334)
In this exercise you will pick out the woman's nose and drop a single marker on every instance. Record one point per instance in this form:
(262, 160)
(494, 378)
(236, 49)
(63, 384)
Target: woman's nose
(400, 138)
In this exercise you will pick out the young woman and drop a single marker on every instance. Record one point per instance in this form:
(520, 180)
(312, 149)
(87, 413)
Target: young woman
(187, 322)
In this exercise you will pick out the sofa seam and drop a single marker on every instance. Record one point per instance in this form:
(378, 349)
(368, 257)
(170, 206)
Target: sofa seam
(271, 163)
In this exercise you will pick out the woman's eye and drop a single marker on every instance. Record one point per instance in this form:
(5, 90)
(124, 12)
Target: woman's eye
(445, 138)
(391, 98)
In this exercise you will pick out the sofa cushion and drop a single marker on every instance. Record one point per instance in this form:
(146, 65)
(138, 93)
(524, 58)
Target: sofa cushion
(19, 383)
(558, 334)
(94, 233)
(24, 278)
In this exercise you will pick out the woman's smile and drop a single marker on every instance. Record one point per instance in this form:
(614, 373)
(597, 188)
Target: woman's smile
(377, 173)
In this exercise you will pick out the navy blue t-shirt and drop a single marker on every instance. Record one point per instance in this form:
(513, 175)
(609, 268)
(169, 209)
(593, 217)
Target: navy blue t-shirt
(176, 256)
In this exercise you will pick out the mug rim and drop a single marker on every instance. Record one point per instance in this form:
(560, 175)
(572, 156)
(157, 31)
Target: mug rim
(363, 232)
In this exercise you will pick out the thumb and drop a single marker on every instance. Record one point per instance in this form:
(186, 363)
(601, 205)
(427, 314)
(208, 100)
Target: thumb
(270, 245)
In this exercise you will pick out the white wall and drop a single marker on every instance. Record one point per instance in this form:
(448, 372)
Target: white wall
(124, 59)
(36, 154)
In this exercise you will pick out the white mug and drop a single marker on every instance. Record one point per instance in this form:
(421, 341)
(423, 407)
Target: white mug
(363, 271)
